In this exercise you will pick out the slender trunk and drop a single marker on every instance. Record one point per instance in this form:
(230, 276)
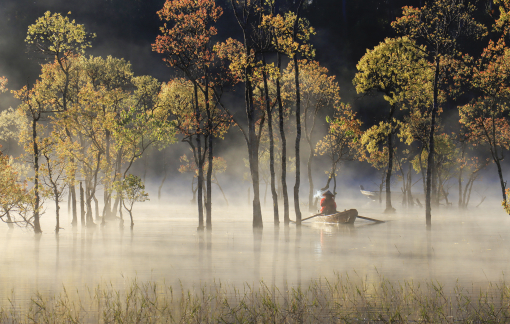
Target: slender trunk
(107, 197)
(253, 152)
(460, 203)
(165, 172)
(501, 181)
(430, 160)
(298, 140)
(57, 209)
(118, 165)
(82, 204)
(37, 225)
(209, 157)
(285, 195)
(96, 207)
(199, 164)
(389, 207)
(310, 179)
(222, 192)
(276, 217)
(72, 204)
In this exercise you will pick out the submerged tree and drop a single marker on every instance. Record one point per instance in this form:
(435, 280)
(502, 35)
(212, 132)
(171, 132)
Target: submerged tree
(186, 44)
(60, 39)
(341, 142)
(130, 189)
(438, 25)
(391, 68)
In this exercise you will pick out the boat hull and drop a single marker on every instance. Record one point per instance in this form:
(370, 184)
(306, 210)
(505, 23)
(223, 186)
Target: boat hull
(345, 217)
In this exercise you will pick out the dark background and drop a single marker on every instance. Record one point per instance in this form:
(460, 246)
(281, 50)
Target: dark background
(127, 28)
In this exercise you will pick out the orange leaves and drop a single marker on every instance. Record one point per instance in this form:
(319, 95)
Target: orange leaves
(234, 52)
(187, 31)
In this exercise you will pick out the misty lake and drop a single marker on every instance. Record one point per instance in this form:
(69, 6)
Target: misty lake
(164, 246)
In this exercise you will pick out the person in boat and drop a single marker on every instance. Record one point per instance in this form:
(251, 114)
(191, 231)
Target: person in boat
(328, 205)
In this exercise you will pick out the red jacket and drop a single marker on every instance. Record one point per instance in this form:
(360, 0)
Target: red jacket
(328, 205)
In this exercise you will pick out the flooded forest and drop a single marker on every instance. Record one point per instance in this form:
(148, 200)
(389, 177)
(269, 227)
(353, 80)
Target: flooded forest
(249, 161)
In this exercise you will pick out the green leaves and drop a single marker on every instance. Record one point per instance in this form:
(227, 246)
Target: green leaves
(393, 67)
(56, 35)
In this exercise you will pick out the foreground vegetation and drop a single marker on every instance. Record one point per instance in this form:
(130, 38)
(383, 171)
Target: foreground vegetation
(341, 300)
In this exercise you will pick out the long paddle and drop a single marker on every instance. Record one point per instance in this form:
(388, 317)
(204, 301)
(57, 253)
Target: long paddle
(371, 219)
(362, 217)
(307, 217)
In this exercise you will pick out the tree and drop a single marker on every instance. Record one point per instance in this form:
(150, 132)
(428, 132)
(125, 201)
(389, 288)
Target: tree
(14, 194)
(188, 166)
(342, 140)
(31, 108)
(178, 105)
(292, 36)
(486, 117)
(319, 92)
(186, 43)
(391, 68)
(131, 189)
(60, 39)
(439, 26)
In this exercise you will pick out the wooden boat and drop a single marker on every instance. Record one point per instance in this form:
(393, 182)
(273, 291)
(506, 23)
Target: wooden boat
(344, 217)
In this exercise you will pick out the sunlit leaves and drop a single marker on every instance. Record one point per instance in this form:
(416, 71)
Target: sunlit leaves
(288, 35)
(439, 24)
(187, 31)
(392, 67)
(3, 84)
(57, 35)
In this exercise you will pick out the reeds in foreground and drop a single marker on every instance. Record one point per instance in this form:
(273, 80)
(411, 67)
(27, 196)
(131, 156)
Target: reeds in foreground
(338, 300)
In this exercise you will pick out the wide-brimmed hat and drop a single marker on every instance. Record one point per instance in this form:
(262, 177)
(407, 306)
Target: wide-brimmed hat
(328, 193)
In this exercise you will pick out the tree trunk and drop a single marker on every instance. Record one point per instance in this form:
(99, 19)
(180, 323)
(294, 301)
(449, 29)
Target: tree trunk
(72, 191)
(82, 204)
(276, 217)
(253, 151)
(389, 207)
(57, 209)
(501, 181)
(37, 225)
(200, 165)
(107, 197)
(310, 179)
(430, 160)
(209, 157)
(298, 140)
(285, 195)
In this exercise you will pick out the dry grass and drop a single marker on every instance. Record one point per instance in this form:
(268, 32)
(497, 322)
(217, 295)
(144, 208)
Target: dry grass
(337, 300)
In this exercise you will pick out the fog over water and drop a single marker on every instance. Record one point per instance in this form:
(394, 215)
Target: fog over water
(469, 247)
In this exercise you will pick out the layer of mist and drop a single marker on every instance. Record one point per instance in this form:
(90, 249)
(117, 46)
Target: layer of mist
(467, 247)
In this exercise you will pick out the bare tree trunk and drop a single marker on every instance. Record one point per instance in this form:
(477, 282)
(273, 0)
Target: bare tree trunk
(82, 204)
(430, 161)
(389, 207)
(298, 140)
(96, 206)
(200, 165)
(285, 195)
(276, 217)
(57, 209)
(209, 157)
(37, 225)
(253, 152)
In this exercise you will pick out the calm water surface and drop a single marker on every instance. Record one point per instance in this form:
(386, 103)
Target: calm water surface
(165, 247)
